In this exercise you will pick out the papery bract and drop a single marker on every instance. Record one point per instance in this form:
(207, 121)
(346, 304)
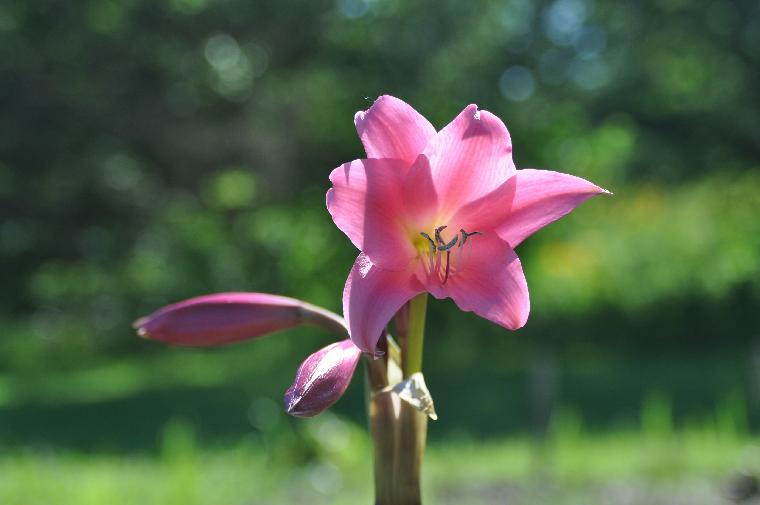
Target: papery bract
(440, 212)
(225, 318)
(322, 379)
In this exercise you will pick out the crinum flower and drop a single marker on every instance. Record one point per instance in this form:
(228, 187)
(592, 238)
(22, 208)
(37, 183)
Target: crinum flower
(440, 212)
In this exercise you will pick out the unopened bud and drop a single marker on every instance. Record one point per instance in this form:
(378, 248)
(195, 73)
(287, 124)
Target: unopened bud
(224, 318)
(322, 379)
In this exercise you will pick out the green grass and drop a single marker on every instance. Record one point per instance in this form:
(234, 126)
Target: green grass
(663, 459)
(328, 462)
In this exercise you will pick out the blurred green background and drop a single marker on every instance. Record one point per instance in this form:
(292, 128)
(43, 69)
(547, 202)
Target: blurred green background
(152, 151)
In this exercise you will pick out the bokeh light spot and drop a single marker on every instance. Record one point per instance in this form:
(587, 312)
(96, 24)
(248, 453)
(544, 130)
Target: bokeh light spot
(563, 19)
(517, 83)
(353, 9)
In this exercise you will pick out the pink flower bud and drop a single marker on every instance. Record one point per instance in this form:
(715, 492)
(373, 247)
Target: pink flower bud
(224, 318)
(322, 379)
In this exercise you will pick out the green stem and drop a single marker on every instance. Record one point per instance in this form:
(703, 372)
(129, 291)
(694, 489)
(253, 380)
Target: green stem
(399, 430)
(412, 358)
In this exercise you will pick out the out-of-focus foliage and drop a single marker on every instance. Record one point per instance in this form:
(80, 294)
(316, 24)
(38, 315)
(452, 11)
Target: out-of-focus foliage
(654, 244)
(156, 150)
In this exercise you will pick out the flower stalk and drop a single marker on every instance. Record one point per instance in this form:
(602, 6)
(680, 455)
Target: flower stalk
(399, 429)
(415, 337)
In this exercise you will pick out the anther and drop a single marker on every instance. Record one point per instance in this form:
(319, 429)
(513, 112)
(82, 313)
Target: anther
(438, 231)
(465, 235)
(448, 246)
(432, 244)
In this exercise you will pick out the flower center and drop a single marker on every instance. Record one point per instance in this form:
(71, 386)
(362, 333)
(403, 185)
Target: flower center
(436, 252)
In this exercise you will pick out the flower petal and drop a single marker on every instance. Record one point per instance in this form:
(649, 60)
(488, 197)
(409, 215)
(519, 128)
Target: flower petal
(470, 157)
(541, 197)
(489, 211)
(490, 283)
(366, 202)
(224, 318)
(391, 128)
(420, 196)
(371, 297)
(322, 379)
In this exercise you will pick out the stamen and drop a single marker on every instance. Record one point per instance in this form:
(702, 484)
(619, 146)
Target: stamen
(432, 244)
(438, 238)
(434, 264)
(466, 235)
(448, 246)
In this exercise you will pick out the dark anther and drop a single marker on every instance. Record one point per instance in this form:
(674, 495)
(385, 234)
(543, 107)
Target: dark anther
(448, 246)
(432, 244)
(465, 235)
(438, 238)
(442, 245)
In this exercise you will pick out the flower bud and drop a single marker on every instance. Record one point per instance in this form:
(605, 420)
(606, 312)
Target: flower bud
(322, 379)
(224, 318)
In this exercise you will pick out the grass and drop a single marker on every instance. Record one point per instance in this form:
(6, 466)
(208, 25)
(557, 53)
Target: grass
(89, 437)
(328, 462)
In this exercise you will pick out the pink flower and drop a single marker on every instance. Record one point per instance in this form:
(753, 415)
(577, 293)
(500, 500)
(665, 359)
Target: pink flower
(225, 318)
(440, 212)
(322, 379)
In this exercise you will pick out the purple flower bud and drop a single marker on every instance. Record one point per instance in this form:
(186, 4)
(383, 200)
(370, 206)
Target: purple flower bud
(224, 318)
(322, 379)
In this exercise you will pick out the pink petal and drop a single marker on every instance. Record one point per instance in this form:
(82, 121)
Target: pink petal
(489, 211)
(224, 318)
(420, 197)
(322, 379)
(490, 283)
(541, 197)
(371, 297)
(470, 157)
(367, 204)
(391, 128)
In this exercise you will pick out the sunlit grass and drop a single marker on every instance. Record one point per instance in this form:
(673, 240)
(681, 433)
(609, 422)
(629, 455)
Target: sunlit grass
(329, 462)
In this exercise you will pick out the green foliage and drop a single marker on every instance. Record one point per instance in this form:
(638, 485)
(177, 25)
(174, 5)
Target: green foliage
(652, 244)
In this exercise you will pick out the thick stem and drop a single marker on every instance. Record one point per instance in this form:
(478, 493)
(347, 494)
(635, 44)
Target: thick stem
(382, 419)
(399, 431)
(412, 434)
(382, 426)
